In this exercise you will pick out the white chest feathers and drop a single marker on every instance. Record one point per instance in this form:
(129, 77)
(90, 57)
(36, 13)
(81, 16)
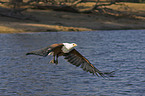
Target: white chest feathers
(67, 47)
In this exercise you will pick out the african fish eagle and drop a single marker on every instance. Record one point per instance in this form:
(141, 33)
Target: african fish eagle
(71, 55)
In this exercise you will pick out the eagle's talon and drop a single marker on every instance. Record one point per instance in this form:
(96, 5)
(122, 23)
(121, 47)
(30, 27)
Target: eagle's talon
(52, 61)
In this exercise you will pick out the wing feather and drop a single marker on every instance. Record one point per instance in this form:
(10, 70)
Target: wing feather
(77, 62)
(72, 60)
(75, 58)
(45, 51)
(41, 52)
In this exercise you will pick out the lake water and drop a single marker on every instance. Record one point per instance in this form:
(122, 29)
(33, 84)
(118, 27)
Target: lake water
(120, 50)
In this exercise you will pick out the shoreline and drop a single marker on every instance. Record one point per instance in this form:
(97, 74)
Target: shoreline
(54, 21)
(65, 31)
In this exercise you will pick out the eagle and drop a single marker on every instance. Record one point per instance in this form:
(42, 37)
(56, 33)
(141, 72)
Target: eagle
(70, 54)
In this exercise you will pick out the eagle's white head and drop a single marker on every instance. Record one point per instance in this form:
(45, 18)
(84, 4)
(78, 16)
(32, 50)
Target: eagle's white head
(68, 47)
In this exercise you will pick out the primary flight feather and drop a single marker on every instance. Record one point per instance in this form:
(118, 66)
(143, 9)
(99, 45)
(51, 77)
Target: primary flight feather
(71, 55)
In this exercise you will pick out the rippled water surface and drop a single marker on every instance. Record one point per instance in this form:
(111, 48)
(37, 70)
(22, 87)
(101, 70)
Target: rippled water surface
(123, 51)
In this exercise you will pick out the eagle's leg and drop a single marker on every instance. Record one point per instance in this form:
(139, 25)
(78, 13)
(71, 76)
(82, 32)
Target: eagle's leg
(53, 60)
(56, 61)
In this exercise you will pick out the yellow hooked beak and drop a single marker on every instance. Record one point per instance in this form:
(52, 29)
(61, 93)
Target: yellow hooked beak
(74, 44)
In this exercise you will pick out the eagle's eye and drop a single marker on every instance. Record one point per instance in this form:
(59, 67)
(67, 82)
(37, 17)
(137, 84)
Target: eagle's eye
(74, 44)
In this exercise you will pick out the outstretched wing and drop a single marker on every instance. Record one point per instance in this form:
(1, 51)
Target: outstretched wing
(45, 51)
(75, 58)
(41, 52)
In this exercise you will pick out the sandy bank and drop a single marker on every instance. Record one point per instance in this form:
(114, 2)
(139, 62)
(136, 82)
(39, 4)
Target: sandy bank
(49, 20)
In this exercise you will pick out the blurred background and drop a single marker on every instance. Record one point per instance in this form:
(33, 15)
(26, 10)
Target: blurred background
(70, 15)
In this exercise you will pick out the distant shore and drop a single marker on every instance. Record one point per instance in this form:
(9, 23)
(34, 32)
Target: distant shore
(52, 21)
